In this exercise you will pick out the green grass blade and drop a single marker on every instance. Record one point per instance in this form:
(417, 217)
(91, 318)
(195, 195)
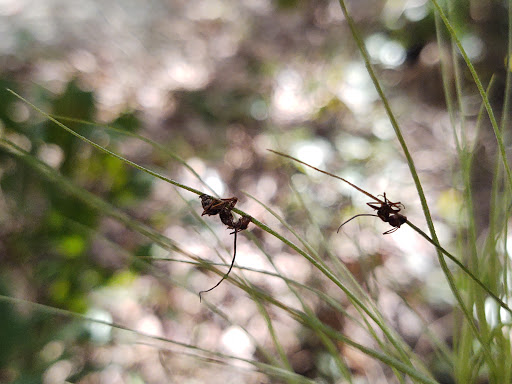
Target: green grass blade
(262, 367)
(481, 90)
(414, 175)
(103, 149)
(144, 139)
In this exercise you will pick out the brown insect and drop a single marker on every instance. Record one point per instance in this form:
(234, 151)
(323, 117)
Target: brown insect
(213, 206)
(223, 207)
(387, 211)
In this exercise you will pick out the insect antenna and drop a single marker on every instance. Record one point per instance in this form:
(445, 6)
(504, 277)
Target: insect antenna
(227, 273)
(352, 218)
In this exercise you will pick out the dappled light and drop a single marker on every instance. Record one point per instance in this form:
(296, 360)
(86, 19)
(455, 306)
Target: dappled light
(255, 192)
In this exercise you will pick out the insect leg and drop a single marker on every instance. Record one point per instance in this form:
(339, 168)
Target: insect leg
(391, 231)
(352, 218)
(372, 205)
(227, 273)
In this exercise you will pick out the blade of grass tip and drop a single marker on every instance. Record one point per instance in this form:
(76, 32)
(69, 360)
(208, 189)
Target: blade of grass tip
(414, 173)
(103, 149)
(153, 143)
(481, 90)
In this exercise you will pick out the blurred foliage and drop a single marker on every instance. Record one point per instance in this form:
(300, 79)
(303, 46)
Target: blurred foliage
(46, 234)
(47, 237)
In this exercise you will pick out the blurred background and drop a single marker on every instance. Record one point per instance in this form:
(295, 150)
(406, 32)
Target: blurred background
(215, 83)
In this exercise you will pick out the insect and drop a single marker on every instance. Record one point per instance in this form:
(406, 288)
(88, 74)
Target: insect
(223, 208)
(387, 211)
(213, 206)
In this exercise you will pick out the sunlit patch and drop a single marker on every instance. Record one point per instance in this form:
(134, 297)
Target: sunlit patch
(491, 312)
(213, 180)
(151, 97)
(11, 7)
(353, 147)
(392, 54)
(288, 100)
(357, 90)
(383, 129)
(507, 245)
(429, 55)
(417, 259)
(99, 332)
(493, 317)
(18, 112)
(58, 372)
(83, 60)
(354, 176)
(187, 75)
(388, 53)
(313, 152)
(473, 46)
(206, 10)
(150, 325)
(51, 154)
(259, 110)
(237, 343)
(52, 351)
(415, 10)
(374, 43)
(21, 141)
(266, 186)
(449, 204)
